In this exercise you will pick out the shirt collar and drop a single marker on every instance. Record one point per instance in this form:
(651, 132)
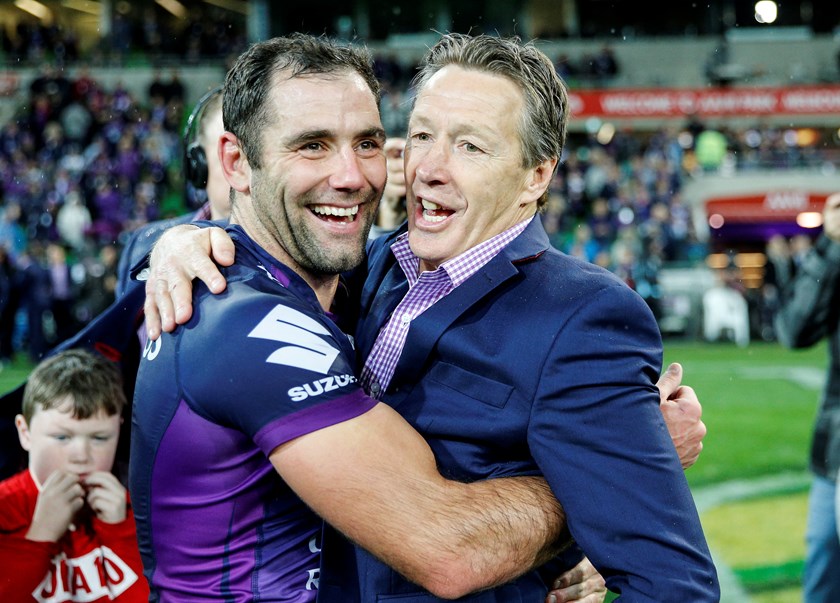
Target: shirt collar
(462, 266)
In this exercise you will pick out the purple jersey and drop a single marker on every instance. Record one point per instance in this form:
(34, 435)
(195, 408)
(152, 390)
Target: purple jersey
(256, 367)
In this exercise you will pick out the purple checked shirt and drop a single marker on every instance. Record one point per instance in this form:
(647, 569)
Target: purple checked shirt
(424, 289)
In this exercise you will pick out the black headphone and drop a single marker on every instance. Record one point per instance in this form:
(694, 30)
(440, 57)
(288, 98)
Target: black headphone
(195, 158)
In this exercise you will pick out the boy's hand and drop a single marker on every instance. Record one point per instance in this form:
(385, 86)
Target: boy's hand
(60, 499)
(106, 497)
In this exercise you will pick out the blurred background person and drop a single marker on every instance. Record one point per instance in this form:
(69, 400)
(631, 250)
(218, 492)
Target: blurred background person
(810, 311)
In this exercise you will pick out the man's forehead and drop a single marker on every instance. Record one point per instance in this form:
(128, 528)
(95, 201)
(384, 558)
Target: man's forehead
(285, 82)
(326, 95)
(470, 94)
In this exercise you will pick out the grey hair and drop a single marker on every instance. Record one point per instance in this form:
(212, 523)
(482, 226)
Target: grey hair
(543, 123)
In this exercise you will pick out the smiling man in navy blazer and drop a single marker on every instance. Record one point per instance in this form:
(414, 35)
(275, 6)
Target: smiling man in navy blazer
(512, 358)
(508, 356)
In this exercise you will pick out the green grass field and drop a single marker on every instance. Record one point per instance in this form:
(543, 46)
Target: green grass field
(759, 405)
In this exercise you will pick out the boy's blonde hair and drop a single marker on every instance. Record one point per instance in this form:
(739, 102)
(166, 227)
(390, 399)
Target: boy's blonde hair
(93, 382)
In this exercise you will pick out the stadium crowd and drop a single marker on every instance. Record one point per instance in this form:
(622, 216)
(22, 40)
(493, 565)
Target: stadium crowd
(81, 166)
(209, 33)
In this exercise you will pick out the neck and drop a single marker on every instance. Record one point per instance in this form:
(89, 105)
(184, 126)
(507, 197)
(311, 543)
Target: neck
(324, 285)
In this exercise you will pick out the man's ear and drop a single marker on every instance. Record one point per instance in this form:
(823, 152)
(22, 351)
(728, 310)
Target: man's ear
(23, 433)
(235, 164)
(538, 180)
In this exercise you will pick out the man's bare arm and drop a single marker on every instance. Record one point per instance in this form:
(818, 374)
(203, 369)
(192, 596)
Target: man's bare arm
(375, 479)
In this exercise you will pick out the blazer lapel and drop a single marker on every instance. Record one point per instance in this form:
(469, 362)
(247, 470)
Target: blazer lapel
(426, 329)
(384, 287)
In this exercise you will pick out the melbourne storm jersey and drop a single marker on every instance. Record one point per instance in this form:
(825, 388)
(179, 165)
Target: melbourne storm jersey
(256, 366)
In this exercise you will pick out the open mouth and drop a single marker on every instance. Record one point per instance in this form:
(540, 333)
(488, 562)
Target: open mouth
(432, 212)
(332, 213)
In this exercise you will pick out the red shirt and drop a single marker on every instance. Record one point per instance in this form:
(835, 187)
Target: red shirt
(95, 562)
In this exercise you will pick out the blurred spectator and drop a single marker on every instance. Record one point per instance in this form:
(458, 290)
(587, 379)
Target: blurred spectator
(837, 60)
(109, 215)
(74, 221)
(800, 245)
(12, 234)
(62, 293)
(808, 314)
(604, 66)
(76, 121)
(34, 286)
(778, 272)
(99, 283)
(394, 108)
(710, 149)
(725, 310)
(157, 88)
(174, 90)
(565, 67)
(9, 299)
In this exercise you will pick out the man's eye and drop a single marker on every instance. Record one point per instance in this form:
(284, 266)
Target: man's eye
(369, 145)
(313, 146)
(421, 136)
(471, 148)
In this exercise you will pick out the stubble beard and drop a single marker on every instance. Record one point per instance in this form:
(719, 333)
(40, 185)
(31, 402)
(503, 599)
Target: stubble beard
(333, 256)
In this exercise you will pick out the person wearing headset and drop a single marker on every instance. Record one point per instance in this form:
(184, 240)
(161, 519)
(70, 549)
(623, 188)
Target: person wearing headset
(117, 333)
(203, 173)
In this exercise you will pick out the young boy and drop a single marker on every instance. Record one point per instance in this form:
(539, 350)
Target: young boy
(66, 528)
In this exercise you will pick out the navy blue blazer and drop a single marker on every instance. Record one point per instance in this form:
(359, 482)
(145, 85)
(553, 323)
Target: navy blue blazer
(541, 364)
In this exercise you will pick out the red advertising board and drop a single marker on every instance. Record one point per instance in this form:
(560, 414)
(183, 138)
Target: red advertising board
(711, 102)
(771, 206)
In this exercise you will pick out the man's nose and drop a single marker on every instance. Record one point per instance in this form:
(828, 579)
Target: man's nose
(433, 163)
(347, 171)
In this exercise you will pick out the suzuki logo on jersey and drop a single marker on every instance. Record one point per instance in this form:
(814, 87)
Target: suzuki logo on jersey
(100, 573)
(303, 347)
(316, 388)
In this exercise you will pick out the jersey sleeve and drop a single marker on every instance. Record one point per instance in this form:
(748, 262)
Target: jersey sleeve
(268, 366)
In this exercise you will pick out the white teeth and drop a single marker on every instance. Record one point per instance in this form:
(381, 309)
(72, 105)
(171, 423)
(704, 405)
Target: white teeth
(431, 206)
(332, 210)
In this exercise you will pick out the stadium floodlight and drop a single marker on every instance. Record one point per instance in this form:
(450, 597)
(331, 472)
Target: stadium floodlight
(766, 11)
(174, 7)
(90, 7)
(35, 8)
(809, 219)
(237, 6)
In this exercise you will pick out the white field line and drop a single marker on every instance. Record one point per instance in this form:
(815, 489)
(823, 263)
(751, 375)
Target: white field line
(709, 497)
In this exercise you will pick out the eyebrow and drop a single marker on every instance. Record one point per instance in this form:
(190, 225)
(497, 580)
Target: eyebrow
(310, 135)
(484, 135)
